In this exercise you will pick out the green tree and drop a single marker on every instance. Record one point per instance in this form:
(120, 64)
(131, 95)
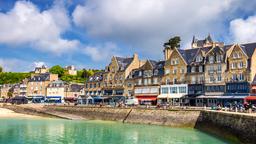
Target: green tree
(57, 70)
(1, 69)
(175, 42)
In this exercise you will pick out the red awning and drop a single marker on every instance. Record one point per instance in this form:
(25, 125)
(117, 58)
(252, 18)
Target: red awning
(250, 98)
(148, 98)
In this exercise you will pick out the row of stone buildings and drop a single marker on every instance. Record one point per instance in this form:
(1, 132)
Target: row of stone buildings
(208, 73)
(41, 85)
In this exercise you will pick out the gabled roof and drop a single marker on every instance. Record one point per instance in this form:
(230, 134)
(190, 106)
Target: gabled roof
(123, 63)
(75, 87)
(98, 76)
(40, 77)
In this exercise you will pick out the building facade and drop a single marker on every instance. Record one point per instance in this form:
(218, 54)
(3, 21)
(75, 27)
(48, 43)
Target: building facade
(37, 84)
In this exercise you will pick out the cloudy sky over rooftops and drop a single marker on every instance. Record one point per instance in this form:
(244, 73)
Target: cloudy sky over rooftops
(86, 33)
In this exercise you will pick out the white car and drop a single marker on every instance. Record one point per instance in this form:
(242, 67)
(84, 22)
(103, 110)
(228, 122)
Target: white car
(132, 102)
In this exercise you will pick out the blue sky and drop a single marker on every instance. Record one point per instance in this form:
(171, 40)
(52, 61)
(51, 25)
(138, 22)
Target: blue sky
(86, 33)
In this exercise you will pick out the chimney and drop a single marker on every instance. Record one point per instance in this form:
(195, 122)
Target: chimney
(135, 56)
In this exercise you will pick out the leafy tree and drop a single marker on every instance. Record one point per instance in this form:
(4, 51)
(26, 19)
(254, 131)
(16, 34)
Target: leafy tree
(9, 94)
(175, 42)
(1, 69)
(12, 77)
(57, 70)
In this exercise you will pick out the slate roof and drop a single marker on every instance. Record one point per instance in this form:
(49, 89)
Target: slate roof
(189, 54)
(40, 77)
(123, 63)
(75, 87)
(200, 43)
(96, 77)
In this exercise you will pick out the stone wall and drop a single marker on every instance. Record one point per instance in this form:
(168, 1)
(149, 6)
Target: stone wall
(232, 126)
(175, 118)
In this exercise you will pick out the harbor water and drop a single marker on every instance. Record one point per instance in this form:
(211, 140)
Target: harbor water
(57, 131)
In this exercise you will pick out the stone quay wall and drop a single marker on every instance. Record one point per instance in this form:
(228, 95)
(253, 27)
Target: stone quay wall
(233, 126)
(175, 118)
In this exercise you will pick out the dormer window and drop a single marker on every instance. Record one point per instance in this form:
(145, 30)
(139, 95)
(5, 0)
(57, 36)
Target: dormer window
(199, 58)
(235, 55)
(219, 58)
(193, 69)
(211, 59)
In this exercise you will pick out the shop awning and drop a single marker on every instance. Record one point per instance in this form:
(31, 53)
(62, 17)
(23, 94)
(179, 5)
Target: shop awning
(250, 98)
(53, 97)
(221, 97)
(70, 98)
(146, 98)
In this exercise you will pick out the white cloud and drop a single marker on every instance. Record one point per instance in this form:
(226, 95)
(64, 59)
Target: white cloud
(17, 65)
(146, 24)
(243, 30)
(26, 24)
(101, 52)
(39, 64)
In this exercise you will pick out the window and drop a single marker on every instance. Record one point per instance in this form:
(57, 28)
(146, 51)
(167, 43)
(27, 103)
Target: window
(235, 55)
(200, 68)
(174, 71)
(233, 65)
(173, 89)
(174, 80)
(167, 81)
(149, 81)
(218, 58)
(164, 90)
(234, 77)
(212, 79)
(193, 69)
(167, 71)
(219, 77)
(199, 58)
(182, 70)
(201, 79)
(211, 69)
(193, 79)
(211, 59)
(241, 77)
(140, 73)
(219, 68)
(241, 64)
(155, 80)
(139, 82)
(182, 90)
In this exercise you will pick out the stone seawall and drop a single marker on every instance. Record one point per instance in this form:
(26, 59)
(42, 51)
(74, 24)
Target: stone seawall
(233, 126)
(139, 116)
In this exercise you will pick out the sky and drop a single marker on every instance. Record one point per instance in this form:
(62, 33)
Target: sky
(87, 33)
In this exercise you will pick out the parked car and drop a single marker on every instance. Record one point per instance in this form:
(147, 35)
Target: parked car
(19, 100)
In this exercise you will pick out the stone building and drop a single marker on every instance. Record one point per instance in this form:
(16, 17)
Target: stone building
(144, 82)
(211, 72)
(37, 84)
(71, 70)
(115, 75)
(93, 86)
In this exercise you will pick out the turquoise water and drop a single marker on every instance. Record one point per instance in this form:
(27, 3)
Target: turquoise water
(55, 131)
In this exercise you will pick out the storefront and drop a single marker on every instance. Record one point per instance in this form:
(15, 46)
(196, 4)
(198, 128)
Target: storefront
(147, 99)
(174, 94)
(54, 99)
(223, 101)
(147, 95)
